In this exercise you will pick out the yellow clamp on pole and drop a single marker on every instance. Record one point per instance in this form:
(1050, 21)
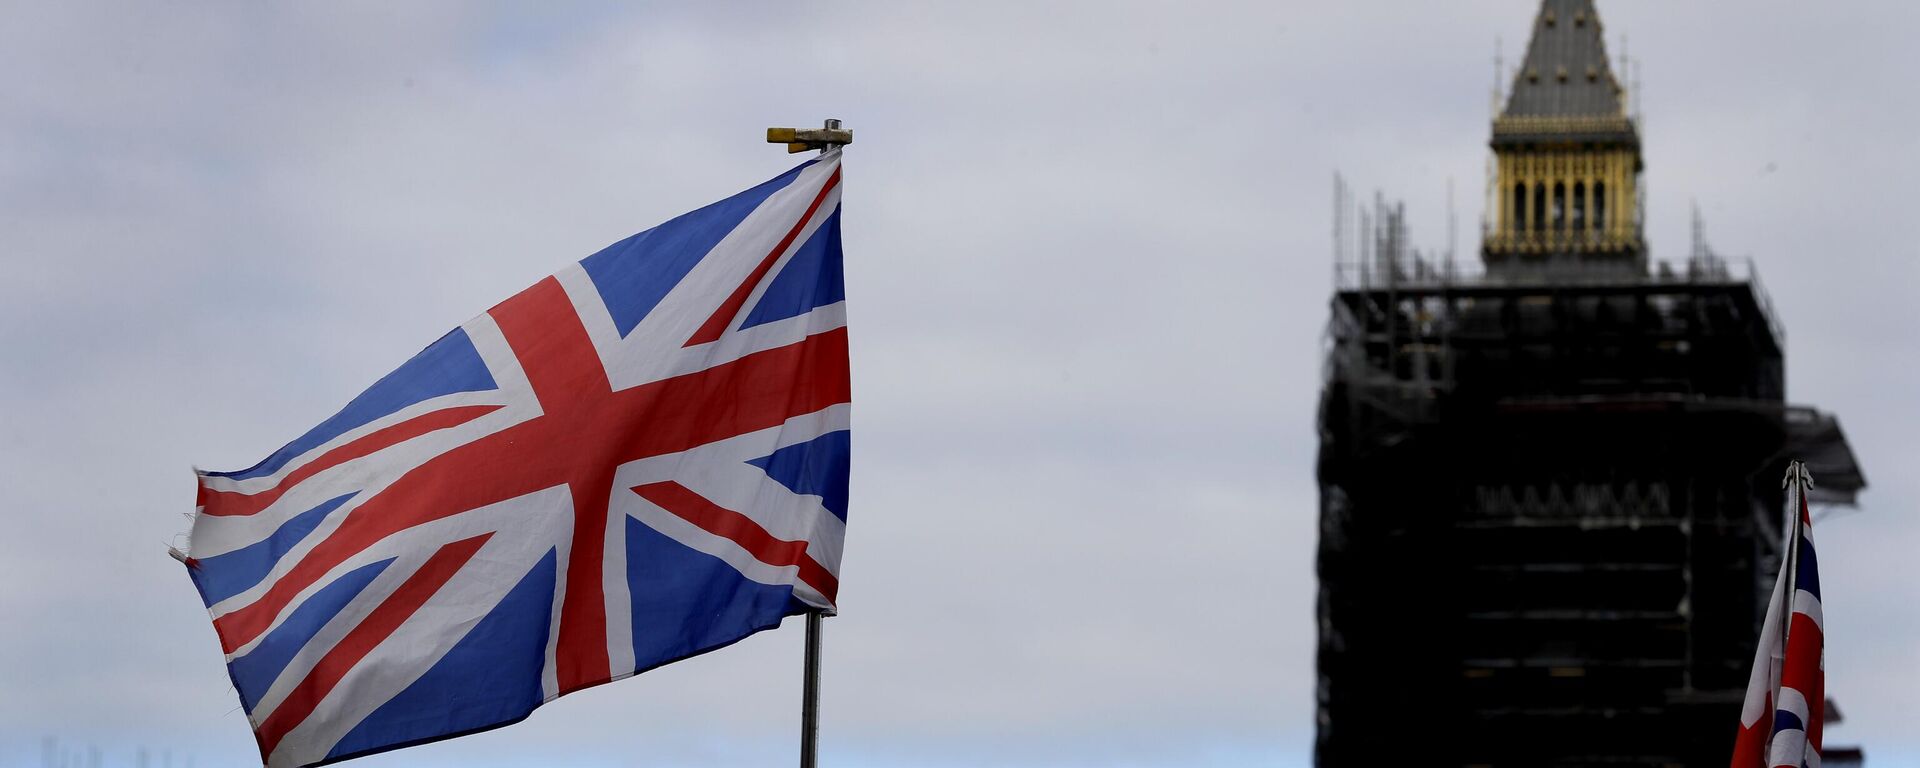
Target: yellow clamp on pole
(804, 139)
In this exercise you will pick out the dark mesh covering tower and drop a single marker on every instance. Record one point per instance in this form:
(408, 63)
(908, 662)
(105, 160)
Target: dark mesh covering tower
(1550, 490)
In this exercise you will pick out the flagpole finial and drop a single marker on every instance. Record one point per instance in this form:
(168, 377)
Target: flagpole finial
(1797, 470)
(828, 136)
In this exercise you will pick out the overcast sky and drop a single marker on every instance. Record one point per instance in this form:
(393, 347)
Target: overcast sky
(1088, 264)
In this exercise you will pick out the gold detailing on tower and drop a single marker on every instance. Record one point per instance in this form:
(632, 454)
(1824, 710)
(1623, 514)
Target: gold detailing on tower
(1561, 242)
(1571, 200)
(1549, 124)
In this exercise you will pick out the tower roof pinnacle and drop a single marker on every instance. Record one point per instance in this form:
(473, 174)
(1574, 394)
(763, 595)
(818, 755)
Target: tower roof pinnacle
(1565, 91)
(1565, 73)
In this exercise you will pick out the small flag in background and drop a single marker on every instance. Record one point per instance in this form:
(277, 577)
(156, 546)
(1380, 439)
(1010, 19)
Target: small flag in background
(636, 460)
(1786, 694)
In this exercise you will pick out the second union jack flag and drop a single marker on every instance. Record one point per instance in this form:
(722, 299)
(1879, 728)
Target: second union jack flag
(1780, 722)
(636, 460)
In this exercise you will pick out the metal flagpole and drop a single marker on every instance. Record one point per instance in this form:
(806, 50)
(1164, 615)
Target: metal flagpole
(1788, 561)
(826, 138)
(1797, 476)
(810, 694)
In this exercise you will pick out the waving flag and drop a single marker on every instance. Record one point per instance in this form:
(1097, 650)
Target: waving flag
(1786, 694)
(636, 460)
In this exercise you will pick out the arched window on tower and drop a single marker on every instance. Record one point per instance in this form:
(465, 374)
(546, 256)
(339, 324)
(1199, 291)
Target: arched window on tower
(1518, 222)
(1539, 219)
(1600, 206)
(1579, 216)
(1559, 207)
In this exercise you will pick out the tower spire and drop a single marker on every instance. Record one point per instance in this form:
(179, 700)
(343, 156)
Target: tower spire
(1567, 155)
(1566, 72)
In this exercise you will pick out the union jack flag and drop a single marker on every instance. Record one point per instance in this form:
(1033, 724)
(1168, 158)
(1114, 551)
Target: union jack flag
(636, 460)
(1788, 680)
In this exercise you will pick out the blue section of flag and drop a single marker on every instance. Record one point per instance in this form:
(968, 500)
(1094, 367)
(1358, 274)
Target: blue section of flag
(817, 467)
(505, 651)
(633, 275)
(225, 575)
(255, 672)
(1786, 721)
(446, 366)
(812, 278)
(1807, 569)
(687, 602)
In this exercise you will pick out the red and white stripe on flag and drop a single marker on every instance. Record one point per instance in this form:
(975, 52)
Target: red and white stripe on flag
(1788, 680)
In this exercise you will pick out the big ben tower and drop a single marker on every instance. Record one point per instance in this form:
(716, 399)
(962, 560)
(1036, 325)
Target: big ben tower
(1550, 497)
(1567, 157)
